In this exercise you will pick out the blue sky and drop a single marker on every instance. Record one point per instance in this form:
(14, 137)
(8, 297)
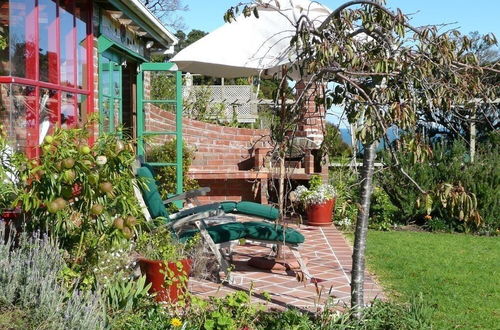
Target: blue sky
(468, 16)
(476, 15)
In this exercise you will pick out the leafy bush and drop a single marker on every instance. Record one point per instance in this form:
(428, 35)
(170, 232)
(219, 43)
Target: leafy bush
(383, 214)
(8, 188)
(166, 175)
(333, 145)
(30, 285)
(447, 163)
(345, 183)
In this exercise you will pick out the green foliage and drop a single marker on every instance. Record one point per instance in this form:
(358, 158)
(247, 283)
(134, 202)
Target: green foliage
(8, 188)
(234, 311)
(453, 272)
(160, 244)
(3, 42)
(345, 182)
(447, 163)
(333, 146)
(80, 195)
(383, 214)
(198, 106)
(30, 285)
(166, 176)
(124, 296)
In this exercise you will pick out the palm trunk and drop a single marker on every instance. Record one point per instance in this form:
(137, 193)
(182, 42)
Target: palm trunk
(358, 256)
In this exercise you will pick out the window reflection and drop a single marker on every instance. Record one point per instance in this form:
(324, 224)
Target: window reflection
(21, 119)
(69, 114)
(82, 18)
(22, 38)
(67, 43)
(47, 41)
(4, 35)
(48, 112)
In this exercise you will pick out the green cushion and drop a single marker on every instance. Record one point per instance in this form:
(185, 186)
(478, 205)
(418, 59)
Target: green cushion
(151, 195)
(258, 210)
(271, 232)
(221, 233)
(228, 207)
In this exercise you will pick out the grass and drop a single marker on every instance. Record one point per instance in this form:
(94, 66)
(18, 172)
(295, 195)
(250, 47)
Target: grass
(458, 274)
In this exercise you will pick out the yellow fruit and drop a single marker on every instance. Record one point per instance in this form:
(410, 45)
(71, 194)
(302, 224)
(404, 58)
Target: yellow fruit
(69, 176)
(49, 139)
(53, 207)
(61, 203)
(130, 221)
(127, 232)
(68, 163)
(96, 209)
(118, 223)
(85, 150)
(106, 187)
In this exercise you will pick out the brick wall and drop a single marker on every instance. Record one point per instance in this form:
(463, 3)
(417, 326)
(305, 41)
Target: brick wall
(218, 148)
(224, 156)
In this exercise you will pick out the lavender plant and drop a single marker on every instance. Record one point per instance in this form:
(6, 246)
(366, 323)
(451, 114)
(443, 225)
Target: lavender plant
(29, 280)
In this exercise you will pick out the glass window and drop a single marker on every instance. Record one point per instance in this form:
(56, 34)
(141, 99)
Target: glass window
(4, 37)
(82, 20)
(22, 121)
(47, 47)
(67, 42)
(49, 110)
(69, 114)
(22, 38)
(82, 107)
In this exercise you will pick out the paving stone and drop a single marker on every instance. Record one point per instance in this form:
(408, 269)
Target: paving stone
(329, 262)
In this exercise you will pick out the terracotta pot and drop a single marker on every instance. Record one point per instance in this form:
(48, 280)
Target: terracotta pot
(320, 214)
(156, 272)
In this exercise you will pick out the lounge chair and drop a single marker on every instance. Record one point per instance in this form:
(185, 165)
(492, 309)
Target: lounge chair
(211, 221)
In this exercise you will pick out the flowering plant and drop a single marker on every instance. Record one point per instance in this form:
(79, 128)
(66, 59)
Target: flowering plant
(317, 193)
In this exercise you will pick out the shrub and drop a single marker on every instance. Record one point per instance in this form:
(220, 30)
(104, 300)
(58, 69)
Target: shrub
(447, 163)
(166, 175)
(30, 286)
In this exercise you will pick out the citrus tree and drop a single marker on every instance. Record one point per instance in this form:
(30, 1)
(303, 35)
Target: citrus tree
(385, 72)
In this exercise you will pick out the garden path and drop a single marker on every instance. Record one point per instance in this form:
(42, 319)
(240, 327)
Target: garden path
(329, 260)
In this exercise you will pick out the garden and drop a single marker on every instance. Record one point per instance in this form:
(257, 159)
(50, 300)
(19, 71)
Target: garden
(79, 248)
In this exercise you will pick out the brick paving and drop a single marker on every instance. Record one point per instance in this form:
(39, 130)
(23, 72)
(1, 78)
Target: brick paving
(328, 257)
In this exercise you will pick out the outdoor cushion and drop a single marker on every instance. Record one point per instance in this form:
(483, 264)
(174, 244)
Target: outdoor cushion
(270, 232)
(151, 195)
(220, 233)
(258, 210)
(228, 207)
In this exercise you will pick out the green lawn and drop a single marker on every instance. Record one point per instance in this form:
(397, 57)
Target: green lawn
(458, 274)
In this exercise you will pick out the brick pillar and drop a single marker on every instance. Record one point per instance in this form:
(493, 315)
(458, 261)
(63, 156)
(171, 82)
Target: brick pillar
(313, 117)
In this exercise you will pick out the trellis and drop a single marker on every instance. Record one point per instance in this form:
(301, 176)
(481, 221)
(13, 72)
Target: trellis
(239, 101)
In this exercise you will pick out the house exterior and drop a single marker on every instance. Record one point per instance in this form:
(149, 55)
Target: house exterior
(68, 60)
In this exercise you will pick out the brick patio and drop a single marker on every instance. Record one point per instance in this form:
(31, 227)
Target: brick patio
(328, 258)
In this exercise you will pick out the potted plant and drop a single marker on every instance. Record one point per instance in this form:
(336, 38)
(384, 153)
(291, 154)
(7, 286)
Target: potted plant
(318, 200)
(165, 262)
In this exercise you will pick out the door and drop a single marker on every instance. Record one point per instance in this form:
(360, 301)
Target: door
(159, 115)
(110, 95)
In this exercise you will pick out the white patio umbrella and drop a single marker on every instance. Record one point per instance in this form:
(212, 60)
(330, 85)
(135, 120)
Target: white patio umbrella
(250, 46)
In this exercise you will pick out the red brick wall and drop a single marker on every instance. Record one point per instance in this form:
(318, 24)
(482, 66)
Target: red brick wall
(218, 148)
(223, 156)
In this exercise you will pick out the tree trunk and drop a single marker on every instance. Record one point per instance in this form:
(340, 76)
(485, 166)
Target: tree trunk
(358, 256)
(473, 136)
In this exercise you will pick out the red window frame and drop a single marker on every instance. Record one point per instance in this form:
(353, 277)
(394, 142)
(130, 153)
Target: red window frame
(33, 62)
